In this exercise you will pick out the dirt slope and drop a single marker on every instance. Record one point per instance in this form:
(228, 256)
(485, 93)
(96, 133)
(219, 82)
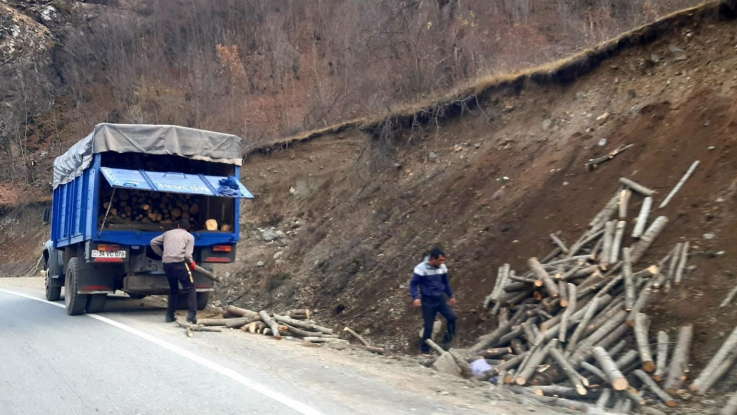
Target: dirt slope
(489, 185)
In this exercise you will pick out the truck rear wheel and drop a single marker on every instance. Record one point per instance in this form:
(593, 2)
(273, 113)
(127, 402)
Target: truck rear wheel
(202, 300)
(96, 303)
(53, 293)
(76, 303)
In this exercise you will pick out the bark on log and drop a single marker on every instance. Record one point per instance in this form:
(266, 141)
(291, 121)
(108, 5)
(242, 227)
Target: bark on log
(540, 273)
(564, 392)
(563, 331)
(563, 290)
(626, 359)
(357, 336)
(731, 407)
(536, 358)
(639, 249)
(674, 261)
(603, 400)
(681, 264)
(642, 324)
(585, 351)
(235, 323)
(591, 308)
(211, 321)
(679, 361)
(550, 400)
(297, 332)
(617, 242)
(646, 410)
(507, 338)
(573, 376)
(302, 324)
(564, 249)
(372, 349)
(554, 253)
(647, 204)
(605, 213)
(594, 371)
(604, 316)
(727, 348)
(517, 346)
(624, 198)
(194, 327)
(299, 314)
(629, 284)
(661, 359)
(323, 340)
(495, 352)
(640, 304)
(729, 298)
(636, 187)
(551, 327)
(271, 323)
(615, 377)
(617, 348)
(606, 249)
(492, 338)
(655, 389)
(240, 312)
(516, 287)
(680, 184)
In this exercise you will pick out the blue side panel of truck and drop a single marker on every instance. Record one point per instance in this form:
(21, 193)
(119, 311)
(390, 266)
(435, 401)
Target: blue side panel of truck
(75, 205)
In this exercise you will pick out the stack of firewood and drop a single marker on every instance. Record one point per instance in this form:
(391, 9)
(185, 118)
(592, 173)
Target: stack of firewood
(574, 327)
(147, 207)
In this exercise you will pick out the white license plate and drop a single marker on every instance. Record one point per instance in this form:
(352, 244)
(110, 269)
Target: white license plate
(107, 254)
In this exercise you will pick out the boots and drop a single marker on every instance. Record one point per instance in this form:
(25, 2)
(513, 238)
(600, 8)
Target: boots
(170, 318)
(192, 317)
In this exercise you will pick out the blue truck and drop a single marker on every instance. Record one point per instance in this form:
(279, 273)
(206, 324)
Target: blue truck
(122, 186)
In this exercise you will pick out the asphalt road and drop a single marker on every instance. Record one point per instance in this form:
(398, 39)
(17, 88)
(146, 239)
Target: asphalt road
(127, 361)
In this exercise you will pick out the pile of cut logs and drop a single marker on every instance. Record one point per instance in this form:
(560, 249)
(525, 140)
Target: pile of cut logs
(573, 327)
(294, 324)
(147, 207)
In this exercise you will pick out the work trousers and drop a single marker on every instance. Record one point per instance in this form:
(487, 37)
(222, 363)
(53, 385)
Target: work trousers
(176, 273)
(430, 308)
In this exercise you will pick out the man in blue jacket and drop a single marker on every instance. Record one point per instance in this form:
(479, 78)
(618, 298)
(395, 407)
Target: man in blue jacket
(431, 276)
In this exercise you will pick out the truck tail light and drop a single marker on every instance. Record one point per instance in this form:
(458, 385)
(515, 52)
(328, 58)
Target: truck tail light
(108, 247)
(217, 259)
(222, 248)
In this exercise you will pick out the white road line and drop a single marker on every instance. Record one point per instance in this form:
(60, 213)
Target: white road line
(285, 400)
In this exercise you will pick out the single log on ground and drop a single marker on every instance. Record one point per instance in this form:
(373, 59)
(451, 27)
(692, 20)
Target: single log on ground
(655, 389)
(724, 351)
(639, 305)
(235, 323)
(357, 336)
(636, 187)
(323, 340)
(549, 400)
(492, 338)
(617, 348)
(629, 284)
(211, 321)
(559, 243)
(616, 378)
(194, 327)
(606, 249)
(639, 249)
(617, 242)
(594, 371)
(564, 392)
(517, 346)
(647, 204)
(563, 290)
(681, 264)
(728, 299)
(536, 358)
(603, 400)
(591, 308)
(624, 198)
(287, 329)
(661, 359)
(675, 190)
(605, 213)
(626, 359)
(563, 331)
(543, 276)
(673, 264)
(372, 349)
(642, 324)
(679, 361)
(495, 352)
(299, 314)
(240, 312)
(271, 323)
(302, 324)
(573, 376)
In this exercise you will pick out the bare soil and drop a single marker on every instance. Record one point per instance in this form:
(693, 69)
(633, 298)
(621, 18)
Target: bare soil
(491, 184)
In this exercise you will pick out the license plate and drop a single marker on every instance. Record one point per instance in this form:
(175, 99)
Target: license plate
(108, 254)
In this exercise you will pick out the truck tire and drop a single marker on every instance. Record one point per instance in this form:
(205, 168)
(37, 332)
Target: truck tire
(96, 303)
(202, 300)
(52, 293)
(76, 303)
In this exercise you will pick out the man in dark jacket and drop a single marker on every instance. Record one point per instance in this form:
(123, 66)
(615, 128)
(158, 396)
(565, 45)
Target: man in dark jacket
(431, 277)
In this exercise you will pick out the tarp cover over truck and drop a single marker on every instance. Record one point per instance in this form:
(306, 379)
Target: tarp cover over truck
(148, 139)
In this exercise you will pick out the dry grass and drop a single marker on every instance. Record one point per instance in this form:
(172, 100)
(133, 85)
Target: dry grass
(560, 72)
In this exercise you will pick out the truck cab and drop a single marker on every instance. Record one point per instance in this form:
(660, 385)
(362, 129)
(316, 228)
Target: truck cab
(123, 185)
